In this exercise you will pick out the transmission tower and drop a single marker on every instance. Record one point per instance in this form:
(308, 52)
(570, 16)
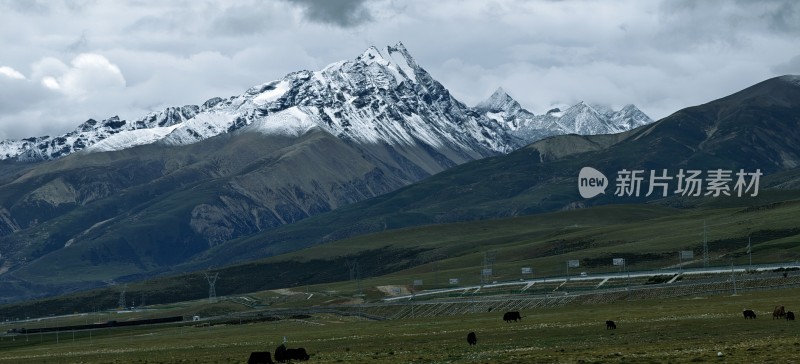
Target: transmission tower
(121, 302)
(212, 291)
(355, 273)
(488, 266)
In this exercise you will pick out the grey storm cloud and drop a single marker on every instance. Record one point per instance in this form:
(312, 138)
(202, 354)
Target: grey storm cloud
(661, 55)
(80, 44)
(791, 67)
(729, 19)
(26, 6)
(245, 20)
(785, 17)
(344, 13)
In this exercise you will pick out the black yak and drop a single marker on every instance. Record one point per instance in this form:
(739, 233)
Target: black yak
(511, 316)
(790, 316)
(472, 339)
(283, 355)
(260, 357)
(749, 314)
(778, 313)
(280, 354)
(611, 325)
(297, 354)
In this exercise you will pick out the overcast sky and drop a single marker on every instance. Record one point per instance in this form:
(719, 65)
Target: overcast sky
(63, 62)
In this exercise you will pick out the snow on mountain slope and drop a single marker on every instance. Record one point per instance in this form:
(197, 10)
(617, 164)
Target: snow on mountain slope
(131, 138)
(587, 119)
(581, 118)
(382, 96)
(92, 132)
(289, 122)
(274, 91)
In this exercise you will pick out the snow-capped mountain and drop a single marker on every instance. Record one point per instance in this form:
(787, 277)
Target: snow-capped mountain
(523, 125)
(92, 132)
(580, 119)
(381, 97)
(588, 119)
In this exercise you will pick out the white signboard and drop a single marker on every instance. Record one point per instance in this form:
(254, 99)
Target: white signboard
(574, 263)
(619, 261)
(454, 281)
(687, 254)
(417, 282)
(527, 270)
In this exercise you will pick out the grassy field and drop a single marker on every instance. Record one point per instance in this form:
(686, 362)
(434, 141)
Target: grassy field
(693, 329)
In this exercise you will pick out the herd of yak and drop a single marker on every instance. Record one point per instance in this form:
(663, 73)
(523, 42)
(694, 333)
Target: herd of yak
(778, 313)
(283, 355)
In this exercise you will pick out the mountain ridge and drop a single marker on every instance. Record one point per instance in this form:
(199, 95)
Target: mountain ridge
(581, 118)
(333, 100)
(753, 129)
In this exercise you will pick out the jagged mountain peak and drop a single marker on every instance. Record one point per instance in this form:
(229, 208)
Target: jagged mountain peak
(582, 107)
(499, 101)
(396, 59)
(93, 124)
(372, 54)
(592, 119)
(400, 48)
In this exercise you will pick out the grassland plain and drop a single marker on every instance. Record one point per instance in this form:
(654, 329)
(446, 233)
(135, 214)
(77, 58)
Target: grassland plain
(679, 330)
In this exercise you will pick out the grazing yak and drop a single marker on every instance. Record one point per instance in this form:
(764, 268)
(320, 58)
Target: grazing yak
(749, 314)
(260, 357)
(280, 354)
(611, 325)
(472, 339)
(283, 355)
(778, 313)
(511, 316)
(297, 354)
(790, 316)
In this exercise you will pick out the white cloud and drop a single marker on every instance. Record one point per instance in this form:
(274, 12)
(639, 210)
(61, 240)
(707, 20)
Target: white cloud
(127, 58)
(89, 74)
(51, 83)
(11, 73)
(58, 96)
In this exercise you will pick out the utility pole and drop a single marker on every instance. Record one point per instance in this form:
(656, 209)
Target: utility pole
(733, 278)
(488, 266)
(355, 274)
(705, 245)
(212, 290)
(121, 301)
